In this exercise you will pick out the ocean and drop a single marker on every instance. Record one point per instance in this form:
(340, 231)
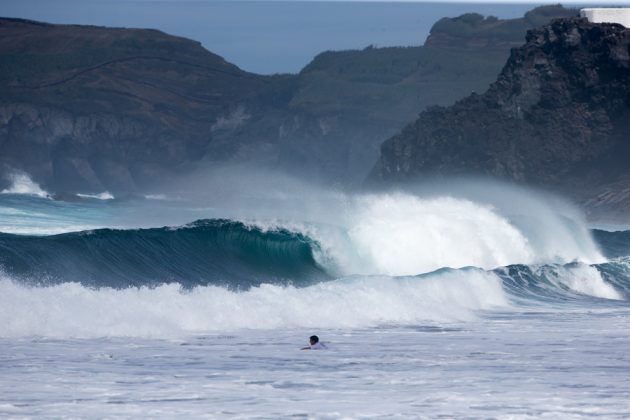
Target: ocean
(463, 300)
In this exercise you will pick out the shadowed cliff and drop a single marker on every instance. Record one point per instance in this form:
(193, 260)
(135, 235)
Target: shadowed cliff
(557, 116)
(88, 109)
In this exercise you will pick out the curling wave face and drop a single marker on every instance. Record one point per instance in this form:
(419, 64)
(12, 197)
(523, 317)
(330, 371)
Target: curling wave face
(219, 252)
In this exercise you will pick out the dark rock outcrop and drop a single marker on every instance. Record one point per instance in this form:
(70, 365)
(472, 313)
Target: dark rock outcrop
(557, 116)
(91, 108)
(87, 109)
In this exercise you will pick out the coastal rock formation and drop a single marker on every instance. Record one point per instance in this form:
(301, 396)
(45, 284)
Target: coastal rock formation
(474, 31)
(556, 116)
(88, 109)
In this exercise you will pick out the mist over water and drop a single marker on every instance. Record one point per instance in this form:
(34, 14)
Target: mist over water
(419, 228)
(22, 184)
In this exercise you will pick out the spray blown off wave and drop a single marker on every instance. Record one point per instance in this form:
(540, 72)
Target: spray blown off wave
(405, 235)
(402, 234)
(21, 183)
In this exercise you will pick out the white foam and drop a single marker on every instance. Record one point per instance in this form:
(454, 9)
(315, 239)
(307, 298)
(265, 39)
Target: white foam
(585, 280)
(71, 310)
(406, 234)
(23, 184)
(47, 230)
(401, 234)
(105, 195)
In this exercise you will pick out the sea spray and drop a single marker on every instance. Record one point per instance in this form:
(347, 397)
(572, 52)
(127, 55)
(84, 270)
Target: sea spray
(401, 234)
(21, 183)
(582, 279)
(406, 234)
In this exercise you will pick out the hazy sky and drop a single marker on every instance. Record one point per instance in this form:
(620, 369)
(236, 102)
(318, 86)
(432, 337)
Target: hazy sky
(264, 36)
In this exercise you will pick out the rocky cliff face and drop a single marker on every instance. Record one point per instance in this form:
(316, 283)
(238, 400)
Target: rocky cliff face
(87, 109)
(557, 116)
(91, 109)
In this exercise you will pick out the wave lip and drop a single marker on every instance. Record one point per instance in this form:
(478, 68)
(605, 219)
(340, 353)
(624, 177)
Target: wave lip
(217, 251)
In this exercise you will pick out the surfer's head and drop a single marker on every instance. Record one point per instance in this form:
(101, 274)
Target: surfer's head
(314, 339)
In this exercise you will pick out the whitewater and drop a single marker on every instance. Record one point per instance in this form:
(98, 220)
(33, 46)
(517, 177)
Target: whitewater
(473, 299)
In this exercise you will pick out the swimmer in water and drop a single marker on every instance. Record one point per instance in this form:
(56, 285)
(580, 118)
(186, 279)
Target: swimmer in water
(315, 344)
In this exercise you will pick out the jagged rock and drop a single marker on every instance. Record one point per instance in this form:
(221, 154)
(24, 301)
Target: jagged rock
(556, 116)
(88, 109)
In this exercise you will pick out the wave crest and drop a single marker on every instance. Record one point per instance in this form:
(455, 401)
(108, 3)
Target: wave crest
(73, 310)
(218, 252)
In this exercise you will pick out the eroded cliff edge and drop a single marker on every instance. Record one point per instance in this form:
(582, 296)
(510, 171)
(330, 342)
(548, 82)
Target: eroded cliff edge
(557, 116)
(87, 109)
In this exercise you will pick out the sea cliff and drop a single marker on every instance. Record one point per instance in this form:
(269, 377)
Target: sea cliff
(557, 116)
(88, 109)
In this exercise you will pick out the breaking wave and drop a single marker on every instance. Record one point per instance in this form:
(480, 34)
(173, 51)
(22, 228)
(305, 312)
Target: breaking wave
(448, 295)
(384, 261)
(391, 235)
